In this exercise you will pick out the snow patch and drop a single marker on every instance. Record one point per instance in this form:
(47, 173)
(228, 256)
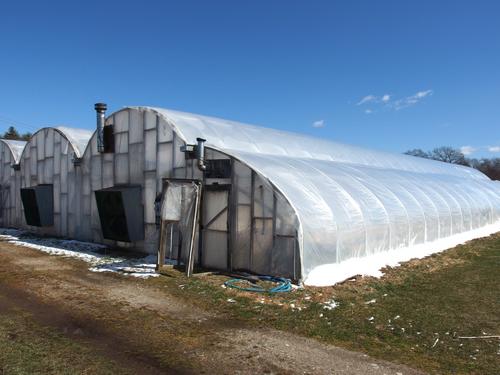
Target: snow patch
(330, 305)
(88, 252)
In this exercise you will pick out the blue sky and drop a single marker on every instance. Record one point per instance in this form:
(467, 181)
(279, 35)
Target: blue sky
(392, 75)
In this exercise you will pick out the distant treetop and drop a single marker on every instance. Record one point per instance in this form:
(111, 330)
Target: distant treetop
(490, 167)
(12, 133)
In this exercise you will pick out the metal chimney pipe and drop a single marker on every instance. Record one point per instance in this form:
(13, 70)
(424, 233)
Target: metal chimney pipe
(200, 154)
(100, 109)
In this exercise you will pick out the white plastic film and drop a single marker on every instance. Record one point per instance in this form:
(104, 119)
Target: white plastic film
(354, 203)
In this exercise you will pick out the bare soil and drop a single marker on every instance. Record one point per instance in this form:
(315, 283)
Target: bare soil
(147, 327)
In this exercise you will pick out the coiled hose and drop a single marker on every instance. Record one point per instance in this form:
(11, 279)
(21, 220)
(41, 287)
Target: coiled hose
(284, 285)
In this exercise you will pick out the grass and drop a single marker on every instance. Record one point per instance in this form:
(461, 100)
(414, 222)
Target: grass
(414, 315)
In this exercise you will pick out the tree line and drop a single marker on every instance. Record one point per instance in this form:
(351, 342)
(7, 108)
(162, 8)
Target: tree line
(12, 133)
(490, 167)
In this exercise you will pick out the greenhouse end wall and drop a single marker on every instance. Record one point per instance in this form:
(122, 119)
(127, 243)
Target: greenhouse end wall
(51, 158)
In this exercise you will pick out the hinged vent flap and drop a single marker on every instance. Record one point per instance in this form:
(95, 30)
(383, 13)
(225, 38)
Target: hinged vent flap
(121, 213)
(38, 204)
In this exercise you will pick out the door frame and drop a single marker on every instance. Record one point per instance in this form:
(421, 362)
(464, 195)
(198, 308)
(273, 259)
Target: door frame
(212, 188)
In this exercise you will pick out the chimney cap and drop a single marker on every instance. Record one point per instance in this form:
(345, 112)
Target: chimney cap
(100, 107)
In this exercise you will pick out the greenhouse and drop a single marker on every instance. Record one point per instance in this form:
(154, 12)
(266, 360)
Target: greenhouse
(50, 181)
(231, 196)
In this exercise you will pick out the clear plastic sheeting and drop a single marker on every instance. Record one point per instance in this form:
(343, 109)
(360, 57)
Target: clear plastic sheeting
(178, 209)
(172, 206)
(354, 204)
(351, 211)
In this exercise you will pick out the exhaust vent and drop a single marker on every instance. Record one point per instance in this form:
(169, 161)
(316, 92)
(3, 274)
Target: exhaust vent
(200, 153)
(121, 213)
(218, 168)
(105, 134)
(38, 204)
(196, 152)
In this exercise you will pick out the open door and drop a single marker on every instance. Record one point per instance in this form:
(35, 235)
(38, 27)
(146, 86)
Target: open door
(179, 215)
(215, 223)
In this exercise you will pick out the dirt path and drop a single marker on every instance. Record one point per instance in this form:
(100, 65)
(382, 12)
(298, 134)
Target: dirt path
(148, 330)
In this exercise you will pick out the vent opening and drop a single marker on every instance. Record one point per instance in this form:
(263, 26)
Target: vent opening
(38, 204)
(121, 213)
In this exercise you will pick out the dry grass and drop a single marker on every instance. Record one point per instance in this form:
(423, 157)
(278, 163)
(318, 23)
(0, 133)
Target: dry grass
(414, 314)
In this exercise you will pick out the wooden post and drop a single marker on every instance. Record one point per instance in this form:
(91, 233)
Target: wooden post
(190, 257)
(161, 248)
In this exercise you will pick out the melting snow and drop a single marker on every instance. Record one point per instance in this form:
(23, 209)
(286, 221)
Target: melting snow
(88, 252)
(330, 305)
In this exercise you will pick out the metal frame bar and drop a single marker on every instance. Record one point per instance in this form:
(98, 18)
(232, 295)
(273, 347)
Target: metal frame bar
(190, 257)
(252, 212)
(232, 216)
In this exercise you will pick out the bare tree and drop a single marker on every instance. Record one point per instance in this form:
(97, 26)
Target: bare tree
(490, 167)
(448, 155)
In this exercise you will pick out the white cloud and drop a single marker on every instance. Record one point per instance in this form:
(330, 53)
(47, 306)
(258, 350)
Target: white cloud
(494, 149)
(318, 124)
(467, 150)
(367, 99)
(411, 100)
(387, 101)
(368, 111)
(423, 94)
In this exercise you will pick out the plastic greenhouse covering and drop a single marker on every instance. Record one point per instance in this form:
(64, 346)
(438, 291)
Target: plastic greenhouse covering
(358, 209)
(79, 138)
(16, 147)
